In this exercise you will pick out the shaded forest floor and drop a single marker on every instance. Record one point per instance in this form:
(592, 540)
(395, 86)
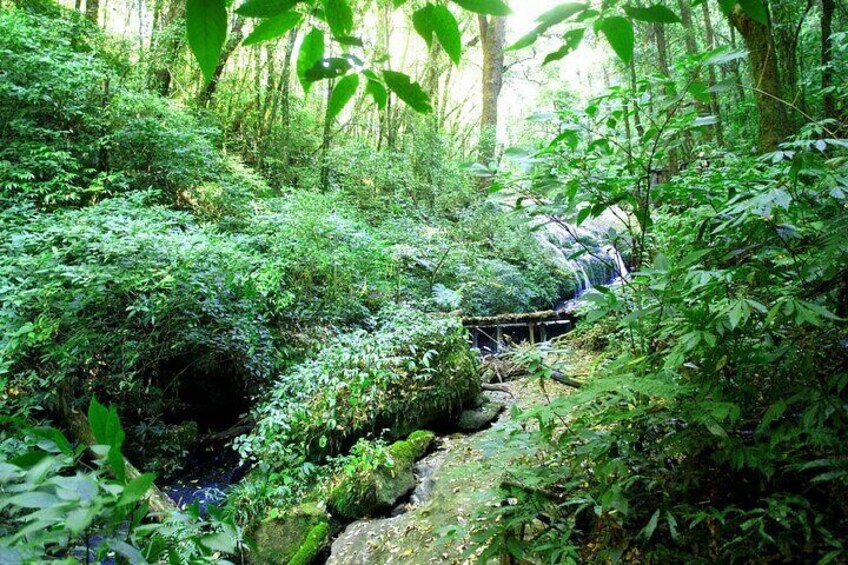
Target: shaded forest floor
(439, 524)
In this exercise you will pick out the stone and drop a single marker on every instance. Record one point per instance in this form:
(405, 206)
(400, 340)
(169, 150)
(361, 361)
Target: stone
(478, 418)
(295, 538)
(379, 489)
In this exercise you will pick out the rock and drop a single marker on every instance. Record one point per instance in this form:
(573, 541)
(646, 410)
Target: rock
(364, 493)
(295, 538)
(478, 418)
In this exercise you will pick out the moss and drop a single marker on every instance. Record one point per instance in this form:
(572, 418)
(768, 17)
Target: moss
(279, 540)
(365, 492)
(311, 545)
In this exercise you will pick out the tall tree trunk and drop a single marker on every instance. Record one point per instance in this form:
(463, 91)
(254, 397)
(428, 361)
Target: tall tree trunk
(492, 37)
(165, 43)
(828, 97)
(765, 78)
(715, 107)
(325, 138)
(692, 49)
(92, 10)
(637, 120)
(233, 41)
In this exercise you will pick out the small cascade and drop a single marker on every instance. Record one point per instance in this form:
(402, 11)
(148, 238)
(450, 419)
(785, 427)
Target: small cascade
(597, 264)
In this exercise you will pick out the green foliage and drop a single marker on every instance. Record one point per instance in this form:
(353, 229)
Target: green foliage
(156, 282)
(716, 432)
(54, 504)
(410, 372)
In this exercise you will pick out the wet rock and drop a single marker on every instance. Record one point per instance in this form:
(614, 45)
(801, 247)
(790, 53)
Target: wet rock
(371, 491)
(294, 539)
(478, 418)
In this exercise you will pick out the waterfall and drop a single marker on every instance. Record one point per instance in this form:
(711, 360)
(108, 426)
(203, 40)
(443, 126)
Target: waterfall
(599, 263)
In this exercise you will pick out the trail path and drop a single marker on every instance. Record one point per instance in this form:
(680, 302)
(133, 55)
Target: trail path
(438, 523)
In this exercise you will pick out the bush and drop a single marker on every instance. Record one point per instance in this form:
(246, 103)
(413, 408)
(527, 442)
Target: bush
(118, 296)
(412, 371)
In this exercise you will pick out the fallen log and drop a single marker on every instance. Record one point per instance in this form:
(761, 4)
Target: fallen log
(561, 378)
(160, 504)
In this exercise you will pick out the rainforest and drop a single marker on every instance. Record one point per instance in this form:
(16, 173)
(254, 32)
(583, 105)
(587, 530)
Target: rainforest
(372, 282)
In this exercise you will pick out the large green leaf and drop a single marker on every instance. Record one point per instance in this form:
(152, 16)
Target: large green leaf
(619, 33)
(408, 91)
(332, 67)
(342, 94)
(378, 93)
(339, 17)
(265, 8)
(422, 21)
(571, 41)
(488, 7)
(552, 17)
(447, 30)
(311, 52)
(206, 30)
(272, 28)
(559, 14)
(755, 9)
(657, 14)
(136, 488)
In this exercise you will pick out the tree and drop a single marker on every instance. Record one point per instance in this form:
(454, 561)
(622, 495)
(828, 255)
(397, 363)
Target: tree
(765, 78)
(92, 9)
(828, 97)
(492, 38)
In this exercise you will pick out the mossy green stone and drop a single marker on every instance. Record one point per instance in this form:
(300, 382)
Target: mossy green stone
(369, 491)
(299, 534)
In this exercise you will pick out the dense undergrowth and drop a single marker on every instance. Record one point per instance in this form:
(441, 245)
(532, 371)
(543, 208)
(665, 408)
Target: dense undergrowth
(145, 266)
(715, 430)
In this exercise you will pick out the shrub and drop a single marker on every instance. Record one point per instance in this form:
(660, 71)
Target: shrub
(411, 371)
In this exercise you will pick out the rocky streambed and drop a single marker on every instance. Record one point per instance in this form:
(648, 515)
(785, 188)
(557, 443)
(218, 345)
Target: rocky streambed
(438, 521)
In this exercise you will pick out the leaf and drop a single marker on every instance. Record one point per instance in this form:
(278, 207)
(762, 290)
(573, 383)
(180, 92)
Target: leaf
(447, 30)
(311, 52)
(219, 541)
(265, 8)
(657, 14)
(273, 28)
(127, 551)
(561, 13)
(33, 499)
(378, 92)
(339, 17)
(572, 39)
(619, 33)
(342, 94)
(333, 67)
(206, 30)
(487, 7)
(648, 531)
(136, 488)
(408, 91)
(422, 21)
(756, 10)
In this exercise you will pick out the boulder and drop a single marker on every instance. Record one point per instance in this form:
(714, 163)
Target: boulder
(364, 493)
(477, 418)
(294, 538)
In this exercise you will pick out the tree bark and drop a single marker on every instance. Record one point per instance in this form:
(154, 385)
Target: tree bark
(828, 98)
(92, 10)
(493, 37)
(765, 76)
(233, 41)
(165, 41)
(715, 107)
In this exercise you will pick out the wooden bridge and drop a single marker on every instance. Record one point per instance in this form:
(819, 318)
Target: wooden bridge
(491, 333)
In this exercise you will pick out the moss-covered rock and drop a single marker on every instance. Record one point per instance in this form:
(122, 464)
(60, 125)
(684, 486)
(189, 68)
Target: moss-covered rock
(296, 537)
(359, 494)
(476, 419)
